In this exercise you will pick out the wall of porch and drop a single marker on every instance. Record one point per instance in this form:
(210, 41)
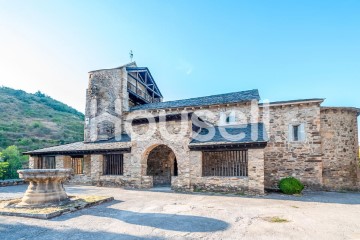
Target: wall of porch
(189, 171)
(252, 184)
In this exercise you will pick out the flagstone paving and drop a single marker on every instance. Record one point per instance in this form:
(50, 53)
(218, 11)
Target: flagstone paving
(162, 214)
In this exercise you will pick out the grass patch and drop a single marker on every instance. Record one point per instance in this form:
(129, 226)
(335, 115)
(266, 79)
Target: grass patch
(276, 220)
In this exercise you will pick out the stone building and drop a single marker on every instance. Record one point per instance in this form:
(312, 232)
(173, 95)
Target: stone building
(229, 142)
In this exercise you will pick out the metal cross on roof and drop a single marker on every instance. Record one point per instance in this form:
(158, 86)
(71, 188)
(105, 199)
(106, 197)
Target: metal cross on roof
(131, 55)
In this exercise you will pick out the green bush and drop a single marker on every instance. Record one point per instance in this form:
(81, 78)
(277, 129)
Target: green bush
(291, 185)
(14, 160)
(4, 166)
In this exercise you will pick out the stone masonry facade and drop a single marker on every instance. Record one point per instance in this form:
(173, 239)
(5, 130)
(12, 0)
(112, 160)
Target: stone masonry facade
(301, 138)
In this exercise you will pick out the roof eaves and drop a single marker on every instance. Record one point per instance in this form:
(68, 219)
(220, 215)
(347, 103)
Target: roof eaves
(200, 101)
(105, 69)
(292, 102)
(342, 108)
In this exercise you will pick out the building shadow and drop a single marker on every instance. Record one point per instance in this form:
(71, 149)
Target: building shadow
(347, 198)
(173, 222)
(24, 231)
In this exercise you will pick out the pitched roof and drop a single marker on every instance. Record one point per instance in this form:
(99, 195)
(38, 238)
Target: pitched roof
(309, 100)
(241, 133)
(141, 71)
(235, 97)
(131, 64)
(84, 148)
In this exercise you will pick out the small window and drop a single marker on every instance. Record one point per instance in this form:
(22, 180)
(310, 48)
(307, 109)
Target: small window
(77, 164)
(297, 132)
(113, 164)
(227, 118)
(47, 162)
(175, 168)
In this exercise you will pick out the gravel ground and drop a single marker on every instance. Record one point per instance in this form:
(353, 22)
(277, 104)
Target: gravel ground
(159, 214)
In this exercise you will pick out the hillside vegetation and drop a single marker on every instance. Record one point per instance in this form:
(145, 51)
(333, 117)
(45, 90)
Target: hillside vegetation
(32, 121)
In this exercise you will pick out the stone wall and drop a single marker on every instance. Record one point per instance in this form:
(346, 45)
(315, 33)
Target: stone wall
(11, 182)
(253, 184)
(129, 179)
(61, 161)
(256, 171)
(84, 178)
(243, 113)
(33, 161)
(177, 141)
(106, 100)
(285, 158)
(340, 149)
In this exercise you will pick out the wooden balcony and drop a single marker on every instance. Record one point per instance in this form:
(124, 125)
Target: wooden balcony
(146, 97)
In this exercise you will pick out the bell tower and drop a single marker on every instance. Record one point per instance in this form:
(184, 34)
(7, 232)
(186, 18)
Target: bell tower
(111, 93)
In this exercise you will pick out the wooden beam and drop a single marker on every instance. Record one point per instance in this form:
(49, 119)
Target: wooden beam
(145, 86)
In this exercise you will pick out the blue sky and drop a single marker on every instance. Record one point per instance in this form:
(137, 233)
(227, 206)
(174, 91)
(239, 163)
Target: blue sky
(287, 49)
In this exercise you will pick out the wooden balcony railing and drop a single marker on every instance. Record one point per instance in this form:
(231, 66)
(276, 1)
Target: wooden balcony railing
(147, 97)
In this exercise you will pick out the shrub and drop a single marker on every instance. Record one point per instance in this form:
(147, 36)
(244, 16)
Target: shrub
(36, 124)
(15, 160)
(291, 185)
(4, 166)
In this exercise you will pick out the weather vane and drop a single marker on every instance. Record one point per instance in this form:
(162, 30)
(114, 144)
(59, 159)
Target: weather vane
(131, 55)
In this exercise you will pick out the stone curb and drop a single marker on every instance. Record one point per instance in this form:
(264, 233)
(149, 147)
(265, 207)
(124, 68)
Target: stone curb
(56, 213)
(11, 182)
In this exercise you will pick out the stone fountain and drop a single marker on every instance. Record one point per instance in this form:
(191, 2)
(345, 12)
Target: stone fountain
(45, 197)
(46, 186)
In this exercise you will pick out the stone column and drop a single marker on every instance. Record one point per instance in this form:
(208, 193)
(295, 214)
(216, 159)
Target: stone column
(96, 166)
(256, 171)
(62, 161)
(87, 165)
(195, 168)
(33, 162)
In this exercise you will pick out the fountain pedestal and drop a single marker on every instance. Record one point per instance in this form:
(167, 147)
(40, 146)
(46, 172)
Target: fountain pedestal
(46, 186)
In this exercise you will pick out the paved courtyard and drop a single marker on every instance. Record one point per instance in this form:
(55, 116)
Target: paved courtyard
(159, 214)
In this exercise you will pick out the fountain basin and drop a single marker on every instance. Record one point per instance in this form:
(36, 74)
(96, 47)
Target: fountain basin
(45, 186)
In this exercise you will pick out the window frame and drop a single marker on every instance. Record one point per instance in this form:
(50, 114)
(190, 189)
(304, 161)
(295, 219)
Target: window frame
(227, 118)
(230, 163)
(47, 162)
(301, 133)
(109, 160)
(75, 164)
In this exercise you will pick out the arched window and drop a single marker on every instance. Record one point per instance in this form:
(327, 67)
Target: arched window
(175, 168)
(227, 118)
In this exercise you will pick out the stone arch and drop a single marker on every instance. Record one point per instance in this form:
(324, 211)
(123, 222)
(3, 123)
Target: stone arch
(158, 162)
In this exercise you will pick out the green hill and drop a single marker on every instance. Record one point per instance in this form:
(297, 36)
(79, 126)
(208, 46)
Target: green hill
(32, 121)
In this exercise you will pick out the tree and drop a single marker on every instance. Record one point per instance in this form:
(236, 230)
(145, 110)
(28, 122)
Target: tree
(4, 167)
(15, 160)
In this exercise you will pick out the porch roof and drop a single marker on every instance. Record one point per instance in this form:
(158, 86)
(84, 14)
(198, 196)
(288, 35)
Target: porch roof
(235, 97)
(112, 145)
(231, 135)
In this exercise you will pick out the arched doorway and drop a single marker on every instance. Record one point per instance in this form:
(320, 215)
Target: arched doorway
(161, 165)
